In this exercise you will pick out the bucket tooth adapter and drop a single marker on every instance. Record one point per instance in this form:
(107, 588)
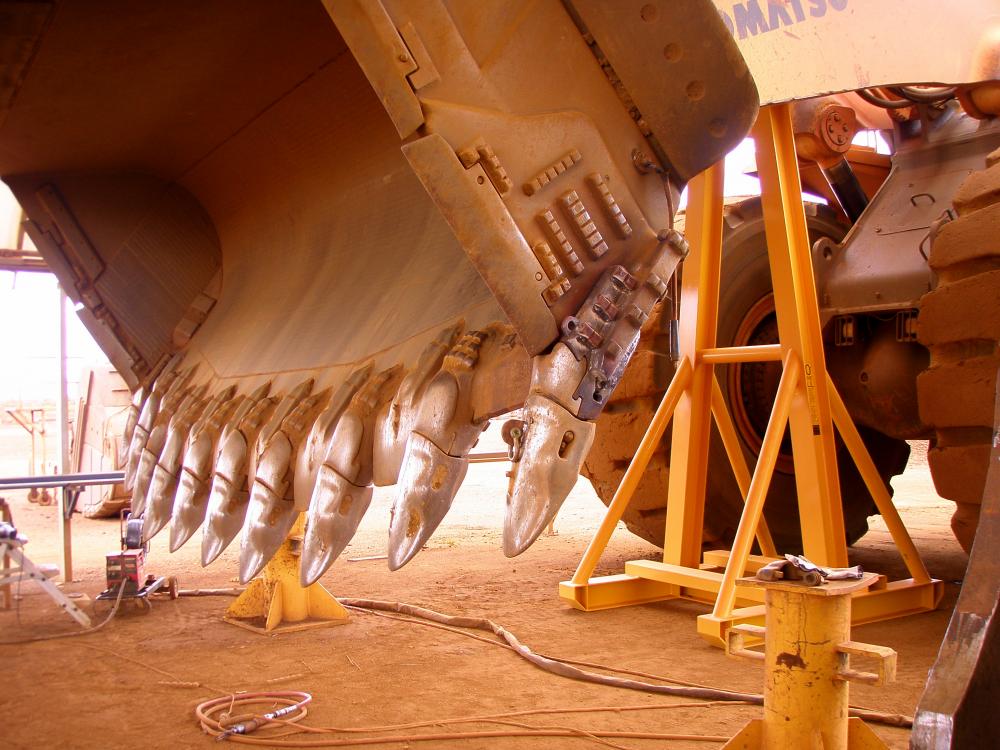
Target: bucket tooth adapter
(272, 510)
(343, 488)
(191, 500)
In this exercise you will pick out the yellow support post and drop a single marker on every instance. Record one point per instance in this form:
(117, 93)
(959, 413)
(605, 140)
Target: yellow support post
(807, 647)
(697, 330)
(630, 480)
(817, 483)
(753, 509)
(275, 601)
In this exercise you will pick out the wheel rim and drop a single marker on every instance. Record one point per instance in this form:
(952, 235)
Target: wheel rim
(752, 385)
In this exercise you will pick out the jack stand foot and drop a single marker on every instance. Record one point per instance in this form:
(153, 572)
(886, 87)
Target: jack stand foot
(860, 737)
(275, 602)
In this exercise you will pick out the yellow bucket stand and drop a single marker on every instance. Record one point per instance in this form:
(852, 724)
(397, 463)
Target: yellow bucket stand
(276, 602)
(806, 657)
(807, 402)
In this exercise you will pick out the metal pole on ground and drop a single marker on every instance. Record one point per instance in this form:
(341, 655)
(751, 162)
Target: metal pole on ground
(62, 416)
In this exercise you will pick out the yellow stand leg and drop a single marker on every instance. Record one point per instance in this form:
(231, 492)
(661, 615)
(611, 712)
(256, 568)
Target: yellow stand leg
(807, 669)
(275, 601)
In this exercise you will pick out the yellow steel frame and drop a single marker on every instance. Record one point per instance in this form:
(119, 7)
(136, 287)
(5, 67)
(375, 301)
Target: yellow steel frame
(806, 401)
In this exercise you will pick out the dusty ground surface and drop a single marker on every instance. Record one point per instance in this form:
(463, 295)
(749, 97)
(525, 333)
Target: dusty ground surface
(136, 682)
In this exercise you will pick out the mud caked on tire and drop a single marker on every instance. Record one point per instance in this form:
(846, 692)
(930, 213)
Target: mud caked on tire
(746, 316)
(959, 323)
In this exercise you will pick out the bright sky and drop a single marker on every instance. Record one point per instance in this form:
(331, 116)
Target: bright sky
(29, 331)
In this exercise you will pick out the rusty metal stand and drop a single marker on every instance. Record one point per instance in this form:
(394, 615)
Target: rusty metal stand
(807, 669)
(275, 602)
(806, 401)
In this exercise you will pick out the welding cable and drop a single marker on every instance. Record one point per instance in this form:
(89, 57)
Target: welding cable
(565, 669)
(74, 633)
(206, 713)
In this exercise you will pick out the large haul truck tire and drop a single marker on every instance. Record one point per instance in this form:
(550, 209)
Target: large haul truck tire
(746, 317)
(959, 323)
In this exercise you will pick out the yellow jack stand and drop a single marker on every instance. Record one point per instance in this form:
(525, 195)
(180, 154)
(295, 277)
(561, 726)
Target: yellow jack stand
(806, 401)
(275, 602)
(807, 669)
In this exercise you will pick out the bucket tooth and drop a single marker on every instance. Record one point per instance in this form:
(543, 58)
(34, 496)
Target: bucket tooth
(272, 510)
(317, 444)
(342, 492)
(394, 422)
(430, 478)
(270, 514)
(163, 487)
(335, 512)
(571, 385)
(436, 456)
(163, 396)
(140, 436)
(284, 407)
(194, 485)
(131, 420)
(173, 402)
(228, 498)
(229, 493)
(146, 466)
(548, 447)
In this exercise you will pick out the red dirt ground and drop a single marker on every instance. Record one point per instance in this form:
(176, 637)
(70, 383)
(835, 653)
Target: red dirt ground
(108, 689)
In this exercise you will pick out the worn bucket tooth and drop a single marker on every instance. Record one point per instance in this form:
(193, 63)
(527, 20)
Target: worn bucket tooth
(429, 481)
(140, 436)
(163, 488)
(131, 420)
(547, 456)
(207, 437)
(342, 491)
(228, 498)
(146, 466)
(335, 512)
(191, 500)
(317, 443)
(395, 421)
(270, 515)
